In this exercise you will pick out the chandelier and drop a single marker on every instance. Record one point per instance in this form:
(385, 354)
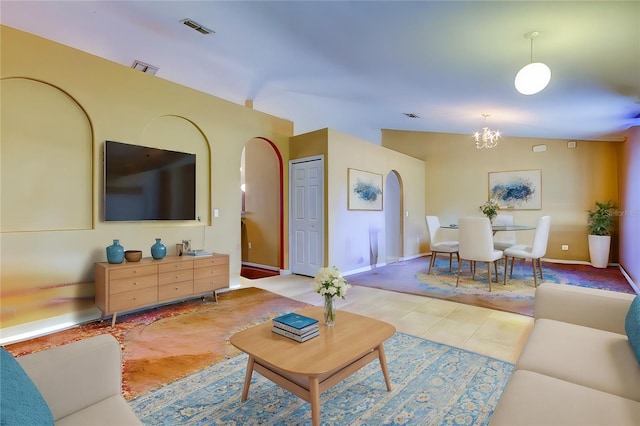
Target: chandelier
(487, 138)
(535, 76)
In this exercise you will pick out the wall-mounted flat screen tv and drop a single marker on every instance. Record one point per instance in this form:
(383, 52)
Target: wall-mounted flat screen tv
(145, 184)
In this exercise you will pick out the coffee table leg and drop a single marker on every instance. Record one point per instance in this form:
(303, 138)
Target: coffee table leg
(314, 391)
(247, 379)
(383, 366)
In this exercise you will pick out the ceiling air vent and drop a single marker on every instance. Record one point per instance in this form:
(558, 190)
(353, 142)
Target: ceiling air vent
(146, 68)
(199, 28)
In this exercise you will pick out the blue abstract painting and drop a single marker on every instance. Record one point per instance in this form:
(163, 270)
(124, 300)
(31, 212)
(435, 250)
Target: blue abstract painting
(365, 190)
(516, 190)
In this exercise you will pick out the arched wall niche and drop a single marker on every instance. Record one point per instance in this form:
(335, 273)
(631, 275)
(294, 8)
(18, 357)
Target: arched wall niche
(177, 133)
(45, 132)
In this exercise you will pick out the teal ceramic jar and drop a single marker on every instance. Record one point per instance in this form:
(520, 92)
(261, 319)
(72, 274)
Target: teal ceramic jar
(158, 250)
(115, 252)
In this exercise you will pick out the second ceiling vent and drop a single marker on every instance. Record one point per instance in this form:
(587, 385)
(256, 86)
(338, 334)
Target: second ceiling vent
(196, 26)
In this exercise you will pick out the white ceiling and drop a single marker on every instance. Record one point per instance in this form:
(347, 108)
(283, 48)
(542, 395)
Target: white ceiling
(358, 66)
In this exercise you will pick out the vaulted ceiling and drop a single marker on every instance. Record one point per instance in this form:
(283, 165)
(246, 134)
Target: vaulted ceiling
(361, 66)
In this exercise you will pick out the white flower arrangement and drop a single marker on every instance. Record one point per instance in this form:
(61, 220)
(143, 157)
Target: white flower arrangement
(329, 282)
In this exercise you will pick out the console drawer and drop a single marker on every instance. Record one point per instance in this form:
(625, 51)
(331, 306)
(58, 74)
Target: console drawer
(210, 272)
(134, 283)
(205, 285)
(175, 276)
(136, 271)
(211, 261)
(175, 290)
(133, 299)
(175, 266)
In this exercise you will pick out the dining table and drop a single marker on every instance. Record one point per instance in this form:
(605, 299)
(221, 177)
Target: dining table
(497, 228)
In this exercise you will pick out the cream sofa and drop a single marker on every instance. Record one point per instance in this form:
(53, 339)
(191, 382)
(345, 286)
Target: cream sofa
(81, 384)
(578, 366)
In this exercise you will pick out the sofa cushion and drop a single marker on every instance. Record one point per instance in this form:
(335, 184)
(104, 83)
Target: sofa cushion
(108, 412)
(586, 356)
(21, 402)
(534, 399)
(632, 326)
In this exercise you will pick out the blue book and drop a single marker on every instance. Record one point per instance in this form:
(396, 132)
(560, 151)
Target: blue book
(295, 322)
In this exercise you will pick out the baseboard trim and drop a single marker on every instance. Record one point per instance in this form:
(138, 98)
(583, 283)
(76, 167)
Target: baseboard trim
(33, 329)
(633, 285)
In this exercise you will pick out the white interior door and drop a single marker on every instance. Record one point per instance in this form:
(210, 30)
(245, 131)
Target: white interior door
(306, 215)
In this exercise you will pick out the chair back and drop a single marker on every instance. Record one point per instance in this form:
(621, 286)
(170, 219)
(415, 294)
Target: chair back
(541, 237)
(504, 236)
(433, 227)
(476, 239)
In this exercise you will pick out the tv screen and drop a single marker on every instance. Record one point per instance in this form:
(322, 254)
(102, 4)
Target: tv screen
(142, 183)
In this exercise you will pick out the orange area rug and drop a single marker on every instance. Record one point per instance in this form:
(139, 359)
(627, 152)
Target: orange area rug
(166, 343)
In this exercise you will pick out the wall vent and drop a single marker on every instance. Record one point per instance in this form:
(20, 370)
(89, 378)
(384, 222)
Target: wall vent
(146, 68)
(196, 26)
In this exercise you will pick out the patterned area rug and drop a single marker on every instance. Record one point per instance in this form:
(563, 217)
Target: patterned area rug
(517, 296)
(254, 273)
(432, 384)
(167, 343)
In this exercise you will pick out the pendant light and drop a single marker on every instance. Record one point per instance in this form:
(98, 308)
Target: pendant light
(534, 77)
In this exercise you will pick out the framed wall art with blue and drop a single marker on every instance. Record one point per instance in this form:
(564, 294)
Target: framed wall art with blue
(365, 190)
(516, 190)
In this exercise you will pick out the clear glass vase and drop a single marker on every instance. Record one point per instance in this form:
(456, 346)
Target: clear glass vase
(329, 311)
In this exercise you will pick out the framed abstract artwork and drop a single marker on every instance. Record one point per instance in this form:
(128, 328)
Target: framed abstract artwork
(516, 190)
(365, 190)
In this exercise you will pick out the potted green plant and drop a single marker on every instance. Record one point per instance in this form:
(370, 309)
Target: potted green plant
(600, 225)
(490, 209)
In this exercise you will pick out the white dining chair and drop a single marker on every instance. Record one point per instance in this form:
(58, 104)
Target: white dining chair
(503, 239)
(475, 238)
(533, 252)
(437, 242)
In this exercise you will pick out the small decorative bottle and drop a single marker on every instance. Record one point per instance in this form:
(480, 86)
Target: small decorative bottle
(158, 250)
(115, 252)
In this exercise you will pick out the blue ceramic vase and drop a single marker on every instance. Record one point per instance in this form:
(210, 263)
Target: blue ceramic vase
(115, 252)
(158, 250)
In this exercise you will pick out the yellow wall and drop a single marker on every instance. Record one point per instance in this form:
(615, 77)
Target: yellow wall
(309, 144)
(47, 266)
(349, 231)
(456, 181)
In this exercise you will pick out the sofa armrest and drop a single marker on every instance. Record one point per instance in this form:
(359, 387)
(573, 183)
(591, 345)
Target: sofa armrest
(74, 376)
(600, 309)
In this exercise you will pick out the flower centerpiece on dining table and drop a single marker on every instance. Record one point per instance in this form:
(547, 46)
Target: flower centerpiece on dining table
(490, 209)
(329, 283)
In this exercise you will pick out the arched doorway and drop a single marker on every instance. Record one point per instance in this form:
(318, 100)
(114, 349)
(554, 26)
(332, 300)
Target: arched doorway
(393, 217)
(262, 209)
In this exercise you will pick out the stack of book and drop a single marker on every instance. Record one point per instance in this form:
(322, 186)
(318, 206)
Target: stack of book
(199, 253)
(296, 327)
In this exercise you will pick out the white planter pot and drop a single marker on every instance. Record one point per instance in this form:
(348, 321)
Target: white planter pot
(599, 246)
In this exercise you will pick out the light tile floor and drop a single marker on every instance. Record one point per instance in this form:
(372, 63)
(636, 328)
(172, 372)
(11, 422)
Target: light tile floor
(489, 332)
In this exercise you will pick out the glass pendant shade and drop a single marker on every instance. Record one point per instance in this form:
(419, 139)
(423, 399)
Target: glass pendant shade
(532, 78)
